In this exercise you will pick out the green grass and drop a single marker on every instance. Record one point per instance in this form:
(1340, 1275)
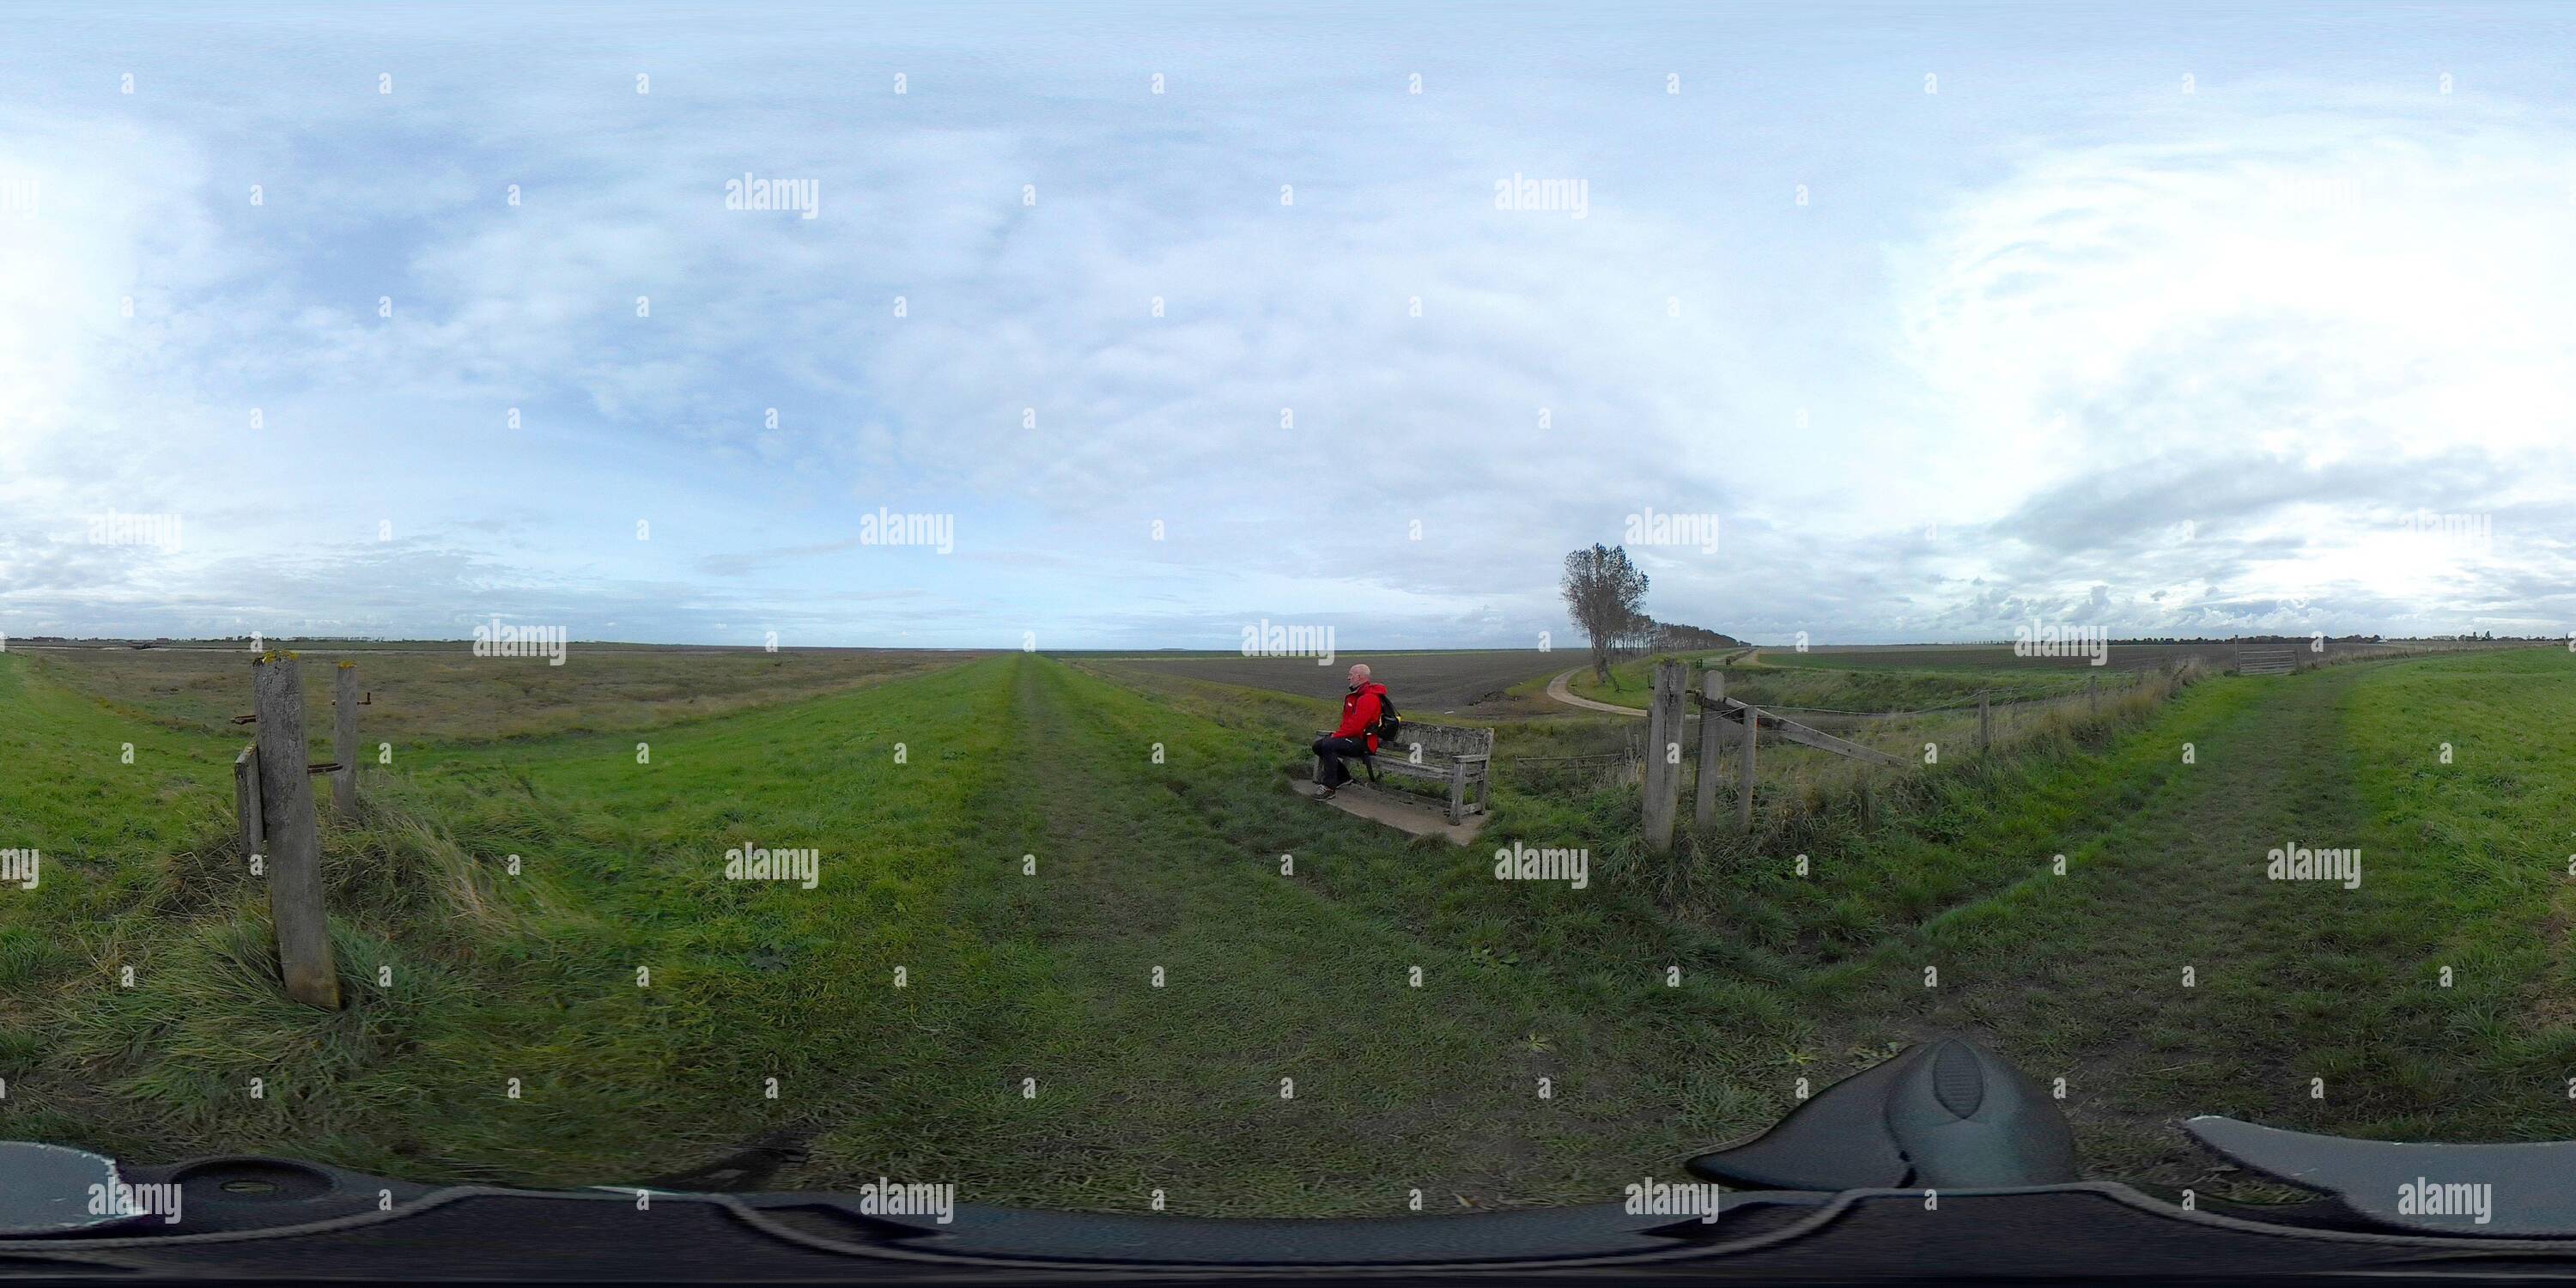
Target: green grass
(1302, 976)
(497, 976)
(2464, 865)
(1158, 816)
(1768, 682)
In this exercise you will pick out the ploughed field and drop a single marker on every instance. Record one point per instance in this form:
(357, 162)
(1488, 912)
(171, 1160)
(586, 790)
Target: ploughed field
(1069, 940)
(440, 691)
(1479, 685)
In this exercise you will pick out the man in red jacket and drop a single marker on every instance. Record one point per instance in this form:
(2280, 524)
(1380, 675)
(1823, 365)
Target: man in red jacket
(1355, 736)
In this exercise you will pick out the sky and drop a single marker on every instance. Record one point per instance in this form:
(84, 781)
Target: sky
(1092, 326)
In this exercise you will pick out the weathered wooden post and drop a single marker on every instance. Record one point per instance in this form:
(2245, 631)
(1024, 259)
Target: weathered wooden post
(1712, 687)
(1744, 770)
(1664, 753)
(246, 797)
(1985, 722)
(344, 740)
(294, 853)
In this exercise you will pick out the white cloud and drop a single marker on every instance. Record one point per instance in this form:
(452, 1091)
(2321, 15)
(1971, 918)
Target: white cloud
(2284, 317)
(2343, 298)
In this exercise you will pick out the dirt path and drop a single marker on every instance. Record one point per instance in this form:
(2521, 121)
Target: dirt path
(1557, 689)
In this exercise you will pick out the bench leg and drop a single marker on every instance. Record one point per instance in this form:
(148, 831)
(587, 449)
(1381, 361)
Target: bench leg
(1458, 794)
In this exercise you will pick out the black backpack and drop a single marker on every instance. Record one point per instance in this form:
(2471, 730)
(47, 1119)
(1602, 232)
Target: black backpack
(1388, 725)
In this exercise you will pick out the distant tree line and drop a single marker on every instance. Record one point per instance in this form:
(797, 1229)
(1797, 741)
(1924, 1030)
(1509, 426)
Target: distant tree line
(1605, 593)
(1674, 637)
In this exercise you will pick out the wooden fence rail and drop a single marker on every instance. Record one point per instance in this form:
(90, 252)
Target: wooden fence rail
(1673, 703)
(1787, 730)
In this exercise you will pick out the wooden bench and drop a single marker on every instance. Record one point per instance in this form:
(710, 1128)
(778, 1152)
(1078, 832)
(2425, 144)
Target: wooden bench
(1440, 754)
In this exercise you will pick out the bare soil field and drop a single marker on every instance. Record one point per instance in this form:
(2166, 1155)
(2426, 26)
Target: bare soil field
(1477, 685)
(439, 691)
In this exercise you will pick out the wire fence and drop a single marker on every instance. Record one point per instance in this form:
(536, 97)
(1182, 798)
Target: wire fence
(1789, 776)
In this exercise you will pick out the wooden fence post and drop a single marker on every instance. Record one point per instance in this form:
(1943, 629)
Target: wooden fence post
(344, 740)
(1663, 754)
(1985, 723)
(1744, 770)
(246, 797)
(1712, 685)
(294, 840)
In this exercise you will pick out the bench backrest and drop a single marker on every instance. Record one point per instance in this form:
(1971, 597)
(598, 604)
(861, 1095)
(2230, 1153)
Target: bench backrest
(1440, 740)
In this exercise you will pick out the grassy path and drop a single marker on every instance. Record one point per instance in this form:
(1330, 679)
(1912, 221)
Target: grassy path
(1271, 982)
(2085, 976)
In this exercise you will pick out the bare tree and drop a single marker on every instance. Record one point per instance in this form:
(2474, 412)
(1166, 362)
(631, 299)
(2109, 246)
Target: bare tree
(1639, 639)
(1603, 591)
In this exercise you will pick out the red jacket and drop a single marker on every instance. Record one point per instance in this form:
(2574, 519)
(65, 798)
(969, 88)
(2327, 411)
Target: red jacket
(1360, 708)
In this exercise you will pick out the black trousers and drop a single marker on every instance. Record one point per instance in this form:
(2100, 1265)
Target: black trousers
(1331, 750)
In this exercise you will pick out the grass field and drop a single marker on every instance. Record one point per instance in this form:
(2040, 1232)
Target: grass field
(1812, 684)
(1157, 817)
(2465, 868)
(2214, 654)
(1994, 657)
(1139, 865)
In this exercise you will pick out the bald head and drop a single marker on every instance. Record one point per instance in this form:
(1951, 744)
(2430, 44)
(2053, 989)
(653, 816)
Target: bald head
(1359, 674)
